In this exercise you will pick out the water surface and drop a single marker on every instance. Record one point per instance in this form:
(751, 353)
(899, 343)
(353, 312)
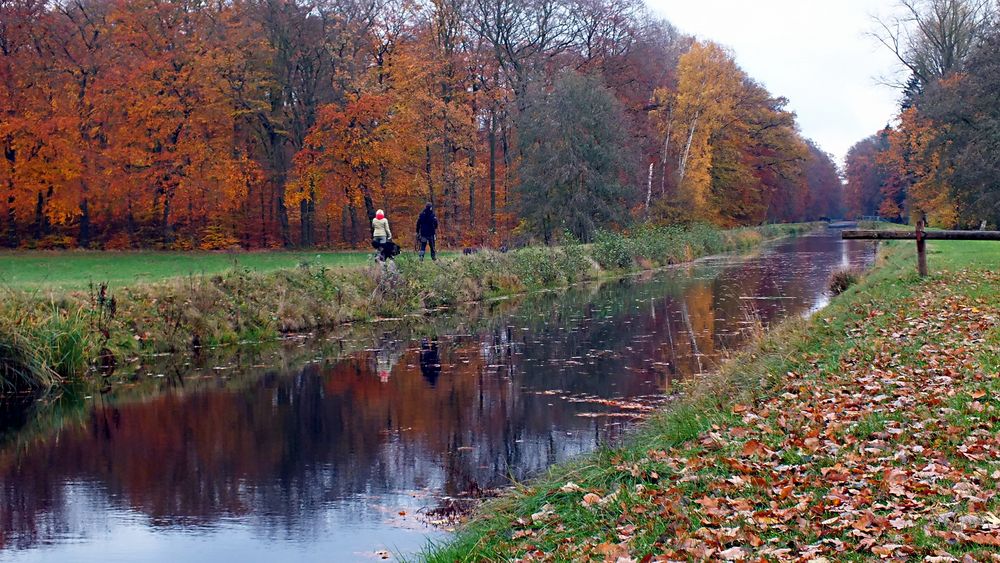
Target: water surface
(335, 447)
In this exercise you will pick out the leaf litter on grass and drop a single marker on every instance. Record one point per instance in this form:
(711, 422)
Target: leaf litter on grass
(887, 450)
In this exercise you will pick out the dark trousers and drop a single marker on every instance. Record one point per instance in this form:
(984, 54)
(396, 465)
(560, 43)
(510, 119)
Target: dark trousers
(424, 241)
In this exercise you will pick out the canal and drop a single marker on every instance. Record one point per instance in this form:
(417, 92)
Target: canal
(351, 445)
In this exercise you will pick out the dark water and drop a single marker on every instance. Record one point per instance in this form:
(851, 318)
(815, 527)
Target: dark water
(335, 447)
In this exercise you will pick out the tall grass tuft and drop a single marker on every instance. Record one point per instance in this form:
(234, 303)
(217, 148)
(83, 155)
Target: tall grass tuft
(841, 280)
(23, 365)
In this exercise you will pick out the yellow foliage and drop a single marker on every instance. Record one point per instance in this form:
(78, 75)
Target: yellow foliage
(708, 83)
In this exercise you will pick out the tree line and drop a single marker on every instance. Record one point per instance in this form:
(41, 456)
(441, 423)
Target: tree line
(940, 158)
(276, 123)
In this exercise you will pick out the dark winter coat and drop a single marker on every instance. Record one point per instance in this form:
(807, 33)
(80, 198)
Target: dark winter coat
(427, 224)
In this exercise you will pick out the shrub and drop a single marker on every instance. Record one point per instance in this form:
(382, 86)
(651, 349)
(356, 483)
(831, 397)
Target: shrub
(214, 237)
(537, 267)
(574, 263)
(843, 279)
(613, 250)
(494, 272)
(704, 239)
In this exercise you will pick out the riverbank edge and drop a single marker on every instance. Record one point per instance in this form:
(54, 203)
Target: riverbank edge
(595, 507)
(50, 338)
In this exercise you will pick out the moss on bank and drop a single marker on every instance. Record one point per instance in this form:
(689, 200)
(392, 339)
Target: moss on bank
(50, 337)
(868, 431)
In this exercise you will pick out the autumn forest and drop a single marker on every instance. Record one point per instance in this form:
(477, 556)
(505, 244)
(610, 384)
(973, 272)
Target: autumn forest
(181, 124)
(940, 156)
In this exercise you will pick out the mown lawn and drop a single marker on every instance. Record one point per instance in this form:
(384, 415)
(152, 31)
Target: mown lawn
(871, 431)
(76, 269)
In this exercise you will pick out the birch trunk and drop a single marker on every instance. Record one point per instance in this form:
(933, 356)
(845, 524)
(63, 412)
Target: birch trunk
(682, 169)
(666, 152)
(649, 187)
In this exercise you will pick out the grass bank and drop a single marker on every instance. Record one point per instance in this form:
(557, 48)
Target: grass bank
(48, 336)
(869, 431)
(69, 269)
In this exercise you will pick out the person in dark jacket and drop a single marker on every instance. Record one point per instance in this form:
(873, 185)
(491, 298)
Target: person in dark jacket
(427, 225)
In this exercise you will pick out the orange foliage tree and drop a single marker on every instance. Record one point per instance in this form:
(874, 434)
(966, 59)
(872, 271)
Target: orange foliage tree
(183, 124)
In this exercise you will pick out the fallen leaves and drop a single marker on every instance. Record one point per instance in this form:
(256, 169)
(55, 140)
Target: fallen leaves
(854, 454)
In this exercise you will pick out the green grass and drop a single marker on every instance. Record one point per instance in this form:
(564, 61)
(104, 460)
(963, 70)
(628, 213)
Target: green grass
(77, 269)
(854, 331)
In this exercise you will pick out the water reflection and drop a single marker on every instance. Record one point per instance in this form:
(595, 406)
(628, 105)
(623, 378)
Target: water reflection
(328, 452)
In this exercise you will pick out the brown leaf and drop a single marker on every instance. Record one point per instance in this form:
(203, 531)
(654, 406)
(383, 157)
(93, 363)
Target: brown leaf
(733, 554)
(901, 523)
(612, 552)
(754, 447)
(985, 539)
(885, 550)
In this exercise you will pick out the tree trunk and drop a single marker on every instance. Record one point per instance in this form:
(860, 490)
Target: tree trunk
(507, 157)
(649, 187)
(666, 153)
(472, 160)
(307, 223)
(383, 184)
(345, 234)
(472, 187)
(12, 239)
(449, 199)
(492, 139)
(427, 172)
(353, 216)
(286, 234)
(263, 218)
(369, 205)
(165, 231)
(682, 168)
(39, 224)
(130, 219)
(312, 217)
(83, 240)
(304, 223)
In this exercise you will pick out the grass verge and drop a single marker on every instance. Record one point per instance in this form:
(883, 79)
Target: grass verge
(76, 269)
(869, 431)
(48, 336)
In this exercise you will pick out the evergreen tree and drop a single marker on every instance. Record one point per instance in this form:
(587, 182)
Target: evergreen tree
(576, 156)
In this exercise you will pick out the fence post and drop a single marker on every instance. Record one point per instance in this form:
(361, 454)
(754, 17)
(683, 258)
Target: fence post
(921, 246)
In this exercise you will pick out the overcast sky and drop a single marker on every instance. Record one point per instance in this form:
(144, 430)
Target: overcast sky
(814, 52)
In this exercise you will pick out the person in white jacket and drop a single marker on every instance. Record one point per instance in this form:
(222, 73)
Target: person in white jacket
(380, 231)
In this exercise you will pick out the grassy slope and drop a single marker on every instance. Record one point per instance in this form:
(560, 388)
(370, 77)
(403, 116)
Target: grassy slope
(75, 270)
(49, 335)
(868, 431)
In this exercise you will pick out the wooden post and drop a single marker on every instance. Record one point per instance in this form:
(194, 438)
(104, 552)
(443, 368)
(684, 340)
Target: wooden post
(921, 235)
(921, 247)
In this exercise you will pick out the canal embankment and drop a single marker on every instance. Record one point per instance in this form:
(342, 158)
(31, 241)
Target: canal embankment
(48, 337)
(868, 430)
